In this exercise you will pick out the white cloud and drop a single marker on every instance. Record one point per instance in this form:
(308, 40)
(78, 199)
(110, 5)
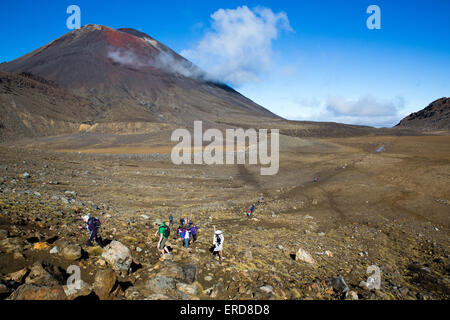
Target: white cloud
(365, 106)
(238, 49)
(164, 60)
(365, 110)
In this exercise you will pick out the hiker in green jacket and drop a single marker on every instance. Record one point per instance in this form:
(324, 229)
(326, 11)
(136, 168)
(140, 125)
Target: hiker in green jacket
(163, 235)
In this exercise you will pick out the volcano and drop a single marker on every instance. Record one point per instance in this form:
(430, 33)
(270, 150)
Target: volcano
(126, 76)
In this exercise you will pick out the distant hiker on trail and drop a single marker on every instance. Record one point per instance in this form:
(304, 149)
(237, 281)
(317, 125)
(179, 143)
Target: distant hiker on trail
(163, 232)
(182, 221)
(252, 208)
(179, 230)
(218, 243)
(170, 220)
(261, 199)
(92, 225)
(194, 229)
(186, 236)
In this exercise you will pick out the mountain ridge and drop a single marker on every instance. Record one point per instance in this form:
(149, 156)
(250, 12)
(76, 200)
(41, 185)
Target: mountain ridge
(436, 116)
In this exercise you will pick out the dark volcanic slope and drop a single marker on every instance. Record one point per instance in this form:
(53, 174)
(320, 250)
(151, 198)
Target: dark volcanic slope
(135, 78)
(31, 106)
(434, 117)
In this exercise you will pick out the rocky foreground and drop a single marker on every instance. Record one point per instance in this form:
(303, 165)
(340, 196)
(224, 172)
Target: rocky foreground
(291, 249)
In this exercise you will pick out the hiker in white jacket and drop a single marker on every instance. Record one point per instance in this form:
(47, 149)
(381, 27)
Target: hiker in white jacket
(218, 243)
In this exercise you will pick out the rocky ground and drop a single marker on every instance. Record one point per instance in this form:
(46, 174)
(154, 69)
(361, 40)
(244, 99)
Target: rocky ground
(309, 240)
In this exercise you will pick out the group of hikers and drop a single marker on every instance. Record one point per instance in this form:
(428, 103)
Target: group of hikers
(186, 231)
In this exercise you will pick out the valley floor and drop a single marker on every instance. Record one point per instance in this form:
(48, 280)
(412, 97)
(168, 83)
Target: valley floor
(389, 209)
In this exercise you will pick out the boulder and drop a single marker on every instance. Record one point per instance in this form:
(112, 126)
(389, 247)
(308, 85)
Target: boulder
(338, 284)
(132, 293)
(189, 289)
(170, 269)
(94, 251)
(71, 252)
(19, 276)
(303, 255)
(161, 284)
(118, 255)
(11, 245)
(266, 289)
(105, 281)
(190, 273)
(158, 296)
(33, 292)
(3, 289)
(44, 274)
(352, 295)
(3, 234)
(54, 250)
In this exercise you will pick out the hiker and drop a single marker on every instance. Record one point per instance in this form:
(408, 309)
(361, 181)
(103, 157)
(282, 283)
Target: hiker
(179, 230)
(218, 243)
(194, 229)
(252, 208)
(163, 232)
(261, 199)
(182, 221)
(170, 220)
(249, 213)
(93, 225)
(186, 236)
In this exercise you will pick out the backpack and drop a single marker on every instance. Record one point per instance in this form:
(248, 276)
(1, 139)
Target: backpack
(166, 232)
(93, 223)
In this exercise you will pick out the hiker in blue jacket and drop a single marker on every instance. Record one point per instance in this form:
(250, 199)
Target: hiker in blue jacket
(186, 236)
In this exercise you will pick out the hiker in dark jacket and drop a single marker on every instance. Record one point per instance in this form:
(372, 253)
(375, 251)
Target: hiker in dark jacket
(194, 229)
(93, 225)
(170, 220)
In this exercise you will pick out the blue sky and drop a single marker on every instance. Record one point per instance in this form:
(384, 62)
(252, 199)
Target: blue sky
(305, 60)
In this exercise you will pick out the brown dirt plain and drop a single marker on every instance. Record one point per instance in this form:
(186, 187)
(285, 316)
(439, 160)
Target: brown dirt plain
(390, 209)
